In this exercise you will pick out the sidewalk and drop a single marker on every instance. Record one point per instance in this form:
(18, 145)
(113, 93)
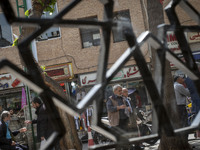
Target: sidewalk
(195, 143)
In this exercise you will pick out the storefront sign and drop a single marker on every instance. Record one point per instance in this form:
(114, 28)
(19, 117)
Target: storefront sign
(125, 73)
(60, 71)
(172, 43)
(193, 37)
(9, 81)
(56, 72)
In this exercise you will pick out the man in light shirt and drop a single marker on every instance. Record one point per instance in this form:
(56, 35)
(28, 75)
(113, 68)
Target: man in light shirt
(181, 93)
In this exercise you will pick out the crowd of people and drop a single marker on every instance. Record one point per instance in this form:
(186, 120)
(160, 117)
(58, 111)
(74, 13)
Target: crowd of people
(121, 112)
(120, 109)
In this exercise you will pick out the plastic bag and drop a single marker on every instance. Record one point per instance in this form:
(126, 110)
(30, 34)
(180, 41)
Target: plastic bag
(43, 142)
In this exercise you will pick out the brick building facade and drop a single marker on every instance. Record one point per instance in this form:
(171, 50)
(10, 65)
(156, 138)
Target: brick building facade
(71, 54)
(76, 51)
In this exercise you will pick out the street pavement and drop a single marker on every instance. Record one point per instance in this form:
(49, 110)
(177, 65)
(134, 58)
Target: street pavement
(195, 144)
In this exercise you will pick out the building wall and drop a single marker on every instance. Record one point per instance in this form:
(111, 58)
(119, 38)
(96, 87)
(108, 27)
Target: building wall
(68, 48)
(9, 52)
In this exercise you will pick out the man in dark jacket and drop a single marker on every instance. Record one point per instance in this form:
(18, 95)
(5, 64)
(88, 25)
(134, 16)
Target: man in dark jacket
(44, 128)
(6, 136)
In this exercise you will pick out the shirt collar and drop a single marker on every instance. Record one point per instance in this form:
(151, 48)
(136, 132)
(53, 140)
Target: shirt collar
(116, 96)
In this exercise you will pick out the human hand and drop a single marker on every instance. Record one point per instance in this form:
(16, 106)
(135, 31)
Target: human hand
(122, 106)
(42, 138)
(22, 130)
(28, 121)
(13, 143)
(129, 109)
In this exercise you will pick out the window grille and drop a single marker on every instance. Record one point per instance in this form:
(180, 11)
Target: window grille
(118, 35)
(90, 37)
(52, 32)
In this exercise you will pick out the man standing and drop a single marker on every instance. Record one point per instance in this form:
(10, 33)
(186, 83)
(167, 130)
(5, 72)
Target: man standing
(44, 128)
(181, 93)
(6, 136)
(132, 116)
(116, 107)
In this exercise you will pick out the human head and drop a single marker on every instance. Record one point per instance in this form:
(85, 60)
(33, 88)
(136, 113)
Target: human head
(5, 116)
(36, 102)
(117, 90)
(11, 111)
(125, 92)
(178, 79)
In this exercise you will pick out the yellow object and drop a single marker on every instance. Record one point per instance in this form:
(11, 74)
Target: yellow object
(189, 105)
(27, 13)
(43, 68)
(15, 42)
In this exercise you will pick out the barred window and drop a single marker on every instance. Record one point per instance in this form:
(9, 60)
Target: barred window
(52, 32)
(90, 37)
(5, 32)
(124, 15)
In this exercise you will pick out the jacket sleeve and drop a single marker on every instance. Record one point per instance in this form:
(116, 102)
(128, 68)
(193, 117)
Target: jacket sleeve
(15, 132)
(3, 136)
(34, 121)
(110, 106)
(43, 122)
(182, 90)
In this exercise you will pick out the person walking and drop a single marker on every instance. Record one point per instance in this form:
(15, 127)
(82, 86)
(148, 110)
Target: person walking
(7, 141)
(44, 127)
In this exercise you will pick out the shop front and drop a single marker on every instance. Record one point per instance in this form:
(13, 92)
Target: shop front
(128, 77)
(193, 39)
(62, 74)
(10, 92)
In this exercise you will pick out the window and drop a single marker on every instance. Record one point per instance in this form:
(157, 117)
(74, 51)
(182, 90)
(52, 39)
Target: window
(5, 32)
(52, 32)
(90, 37)
(118, 35)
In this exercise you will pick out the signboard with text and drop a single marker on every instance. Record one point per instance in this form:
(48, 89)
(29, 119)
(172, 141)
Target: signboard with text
(172, 42)
(60, 71)
(193, 37)
(9, 81)
(125, 73)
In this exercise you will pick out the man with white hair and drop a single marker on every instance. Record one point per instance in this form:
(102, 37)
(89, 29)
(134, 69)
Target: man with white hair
(116, 107)
(6, 136)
